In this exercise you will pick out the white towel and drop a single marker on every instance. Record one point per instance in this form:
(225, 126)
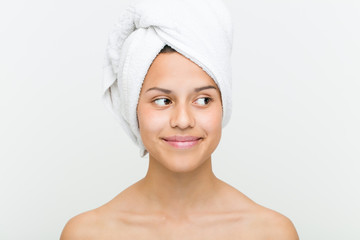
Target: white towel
(201, 30)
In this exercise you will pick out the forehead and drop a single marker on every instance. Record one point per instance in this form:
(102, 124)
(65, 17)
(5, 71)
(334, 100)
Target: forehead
(175, 70)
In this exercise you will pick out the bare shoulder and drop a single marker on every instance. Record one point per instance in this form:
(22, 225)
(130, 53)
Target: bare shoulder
(82, 226)
(258, 222)
(275, 225)
(109, 221)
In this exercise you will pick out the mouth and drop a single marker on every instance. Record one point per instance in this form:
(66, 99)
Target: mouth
(182, 142)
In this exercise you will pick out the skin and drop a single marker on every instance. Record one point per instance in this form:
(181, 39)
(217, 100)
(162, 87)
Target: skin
(180, 197)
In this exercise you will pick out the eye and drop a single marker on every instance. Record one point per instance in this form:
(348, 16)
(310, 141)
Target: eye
(162, 101)
(203, 101)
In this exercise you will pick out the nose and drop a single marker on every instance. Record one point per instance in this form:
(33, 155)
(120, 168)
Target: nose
(182, 117)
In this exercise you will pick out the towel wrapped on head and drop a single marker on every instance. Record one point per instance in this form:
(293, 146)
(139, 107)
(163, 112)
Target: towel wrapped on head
(201, 30)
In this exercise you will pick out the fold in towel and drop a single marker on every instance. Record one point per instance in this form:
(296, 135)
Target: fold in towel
(201, 30)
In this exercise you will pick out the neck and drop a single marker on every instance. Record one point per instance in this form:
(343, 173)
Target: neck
(179, 193)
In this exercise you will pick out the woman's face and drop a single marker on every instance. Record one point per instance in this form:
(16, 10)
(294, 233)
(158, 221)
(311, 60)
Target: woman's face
(179, 113)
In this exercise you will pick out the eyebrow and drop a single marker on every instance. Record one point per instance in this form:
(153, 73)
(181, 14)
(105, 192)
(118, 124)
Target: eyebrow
(167, 91)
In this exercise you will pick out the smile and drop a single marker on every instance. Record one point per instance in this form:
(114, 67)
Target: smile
(182, 142)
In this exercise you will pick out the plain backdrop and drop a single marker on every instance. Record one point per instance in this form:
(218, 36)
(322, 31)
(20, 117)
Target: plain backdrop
(292, 143)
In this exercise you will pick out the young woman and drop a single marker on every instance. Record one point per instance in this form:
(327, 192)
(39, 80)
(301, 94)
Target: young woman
(179, 112)
(180, 197)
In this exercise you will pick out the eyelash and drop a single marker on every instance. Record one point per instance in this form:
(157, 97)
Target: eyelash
(209, 100)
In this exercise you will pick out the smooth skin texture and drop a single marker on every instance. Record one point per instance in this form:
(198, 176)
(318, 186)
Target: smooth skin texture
(180, 197)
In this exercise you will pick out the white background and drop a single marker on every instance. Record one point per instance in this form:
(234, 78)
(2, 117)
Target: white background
(293, 143)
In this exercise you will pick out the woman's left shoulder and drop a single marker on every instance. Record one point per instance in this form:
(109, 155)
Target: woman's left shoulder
(255, 221)
(274, 224)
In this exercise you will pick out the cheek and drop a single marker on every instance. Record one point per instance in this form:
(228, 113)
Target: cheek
(150, 122)
(211, 121)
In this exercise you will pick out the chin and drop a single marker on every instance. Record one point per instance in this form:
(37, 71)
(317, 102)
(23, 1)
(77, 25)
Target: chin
(181, 162)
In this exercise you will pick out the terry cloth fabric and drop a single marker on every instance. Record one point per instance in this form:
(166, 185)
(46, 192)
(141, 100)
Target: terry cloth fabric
(201, 30)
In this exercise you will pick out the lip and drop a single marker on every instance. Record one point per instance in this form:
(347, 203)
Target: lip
(182, 142)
